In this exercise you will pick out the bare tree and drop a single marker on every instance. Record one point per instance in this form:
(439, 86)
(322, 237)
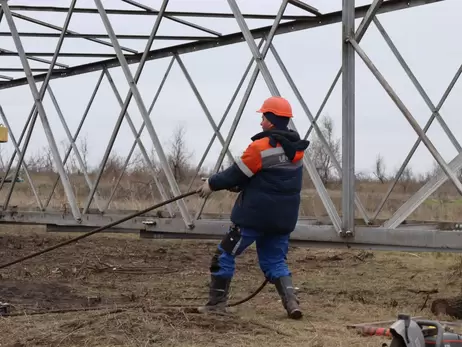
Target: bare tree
(83, 149)
(379, 169)
(322, 160)
(49, 163)
(179, 155)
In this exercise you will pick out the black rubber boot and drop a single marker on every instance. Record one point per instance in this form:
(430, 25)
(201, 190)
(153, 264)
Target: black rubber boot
(289, 300)
(218, 295)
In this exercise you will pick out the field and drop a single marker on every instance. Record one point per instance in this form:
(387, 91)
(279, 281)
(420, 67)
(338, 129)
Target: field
(146, 290)
(119, 290)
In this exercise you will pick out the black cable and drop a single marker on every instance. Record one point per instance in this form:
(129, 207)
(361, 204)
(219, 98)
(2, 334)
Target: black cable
(104, 227)
(110, 225)
(258, 290)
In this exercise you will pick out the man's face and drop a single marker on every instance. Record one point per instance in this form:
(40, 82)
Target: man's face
(265, 123)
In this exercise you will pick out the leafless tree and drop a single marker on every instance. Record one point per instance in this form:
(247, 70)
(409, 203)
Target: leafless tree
(379, 169)
(83, 149)
(178, 155)
(48, 160)
(318, 152)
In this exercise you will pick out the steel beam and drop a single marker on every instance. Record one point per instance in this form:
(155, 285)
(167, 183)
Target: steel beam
(262, 67)
(391, 236)
(223, 118)
(434, 152)
(304, 6)
(143, 150)
(20, 69)
(140, 103)
(203, 105)
(245, 98)
(348, 118)
(173, 19)
(138, 134)
(145, 12)
(77, 132)
(55, 27)
(417, 85)
(31, 56)
(283, 28)
(417, 143)
(313, 123)
(422, 194)
(83, 168)
(38, 96)
(105, 36)
(415, 238)
(16, 147)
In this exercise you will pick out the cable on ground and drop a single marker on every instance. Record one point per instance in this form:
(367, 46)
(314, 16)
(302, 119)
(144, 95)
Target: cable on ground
(110, 225)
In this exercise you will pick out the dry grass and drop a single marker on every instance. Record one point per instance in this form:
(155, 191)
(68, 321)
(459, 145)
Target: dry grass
(336, 288)
(137, 191)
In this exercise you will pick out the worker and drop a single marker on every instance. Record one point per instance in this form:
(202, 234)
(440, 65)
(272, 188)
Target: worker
(268, 177)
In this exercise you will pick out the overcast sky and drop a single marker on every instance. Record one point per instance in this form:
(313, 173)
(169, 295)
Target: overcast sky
(312, 56)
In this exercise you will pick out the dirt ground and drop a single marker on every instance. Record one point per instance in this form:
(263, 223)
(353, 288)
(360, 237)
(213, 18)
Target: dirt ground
(143, 289)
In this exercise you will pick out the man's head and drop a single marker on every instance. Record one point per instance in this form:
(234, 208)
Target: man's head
(276, 113)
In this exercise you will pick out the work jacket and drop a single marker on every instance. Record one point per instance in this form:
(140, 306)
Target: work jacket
(269, 177)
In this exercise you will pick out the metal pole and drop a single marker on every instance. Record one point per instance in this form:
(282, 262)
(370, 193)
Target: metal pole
(132, 149)
(418, 86)
(66, 31)
(324, 102)
(223, 118)
(16, 147)
(327, 201)
(283, 28)
(308, 113)
(31, 57)
(245, 98)
(141, 106)
(174, 19)
(128, 97)
(20, 159)
(202, 103)
(10, 163)
(38, 97)
(72, 144)
(348, 117)
(140, 144)
(422, 194)
(77, 132)
(362, 28)
(417, 143)
(434, 152)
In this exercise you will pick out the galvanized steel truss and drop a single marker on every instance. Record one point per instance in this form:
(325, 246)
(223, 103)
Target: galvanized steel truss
(340, 231)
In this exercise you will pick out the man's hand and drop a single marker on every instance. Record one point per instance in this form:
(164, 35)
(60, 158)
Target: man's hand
(205, 190)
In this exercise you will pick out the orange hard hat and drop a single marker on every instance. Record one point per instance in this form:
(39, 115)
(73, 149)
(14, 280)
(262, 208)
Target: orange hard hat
(277, 105)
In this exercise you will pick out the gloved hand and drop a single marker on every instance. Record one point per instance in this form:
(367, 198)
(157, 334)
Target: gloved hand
(205, 190)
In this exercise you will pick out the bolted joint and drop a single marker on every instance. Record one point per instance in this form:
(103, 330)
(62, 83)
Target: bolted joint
(346, 233)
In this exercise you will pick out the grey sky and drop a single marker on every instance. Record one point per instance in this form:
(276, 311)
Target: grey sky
(312, 56)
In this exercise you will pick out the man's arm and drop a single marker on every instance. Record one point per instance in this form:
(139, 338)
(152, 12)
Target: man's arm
(238, 174)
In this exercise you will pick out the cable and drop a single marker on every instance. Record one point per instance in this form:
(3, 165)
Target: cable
(258, 290)
(104, 227)
(110, 225)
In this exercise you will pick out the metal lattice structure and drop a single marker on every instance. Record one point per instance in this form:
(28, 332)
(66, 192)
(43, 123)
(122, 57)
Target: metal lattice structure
(341, 230)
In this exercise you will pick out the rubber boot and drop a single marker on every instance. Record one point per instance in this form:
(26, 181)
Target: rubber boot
(218, 296)
(289, 300)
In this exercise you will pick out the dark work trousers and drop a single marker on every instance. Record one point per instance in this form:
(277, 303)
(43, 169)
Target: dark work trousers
(271, 249)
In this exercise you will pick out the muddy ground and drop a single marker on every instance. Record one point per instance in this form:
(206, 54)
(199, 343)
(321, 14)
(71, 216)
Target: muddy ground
(143, 290)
